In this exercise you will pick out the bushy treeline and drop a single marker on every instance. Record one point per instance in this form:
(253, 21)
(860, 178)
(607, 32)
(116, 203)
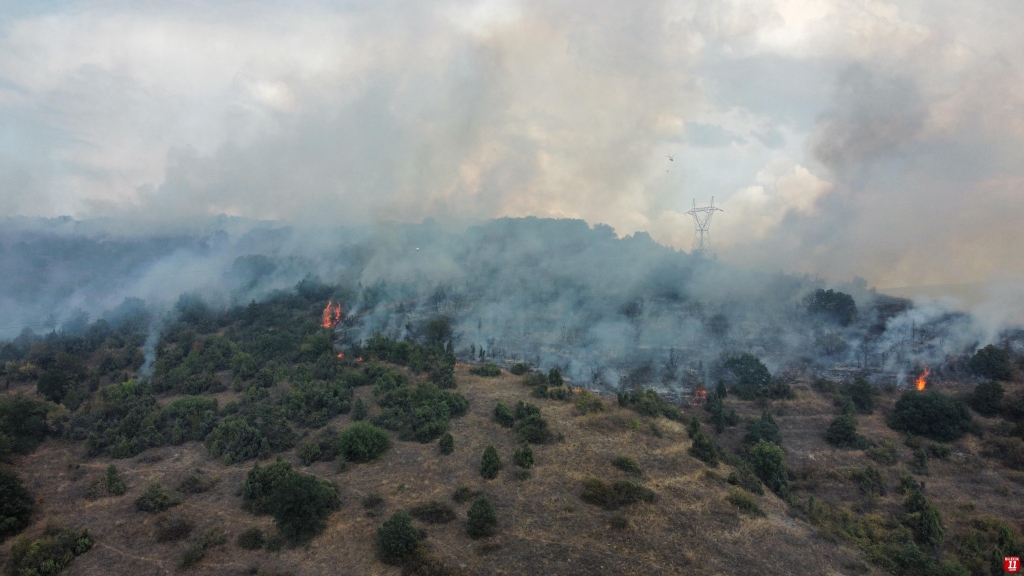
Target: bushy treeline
(70, 364)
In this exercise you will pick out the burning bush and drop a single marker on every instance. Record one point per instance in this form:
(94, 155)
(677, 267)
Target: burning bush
(991, 362)
(932, 415)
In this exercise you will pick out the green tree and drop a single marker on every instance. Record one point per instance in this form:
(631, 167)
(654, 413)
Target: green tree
(753, 376)
(397, 539)
(987, 398)
(359, 410)
(300, 505)
(769, 463)
(765, 428)
(704, 449)
(523, 457)
(482, 519)
(23, 422)
(490, 463)
(447, 443)
(112, 482)
(924, 519)
(842, 432)
(862, 394)
(153, 499)
(16, 504)
(835, 306)
(991, 362)
(363, 442)
(931, 414)
(503, 415)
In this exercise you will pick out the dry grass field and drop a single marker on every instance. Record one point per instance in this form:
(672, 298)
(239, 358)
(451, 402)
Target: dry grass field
(544, 527)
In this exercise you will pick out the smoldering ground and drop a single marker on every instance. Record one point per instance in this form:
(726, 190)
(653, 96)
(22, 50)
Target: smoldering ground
(607, 311)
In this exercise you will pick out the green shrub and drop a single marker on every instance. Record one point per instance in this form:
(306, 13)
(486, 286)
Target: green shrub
(236, 440)
(447, 443)
(16, 504)
(112, 483)
(588, 402)
(842, 432)
(464, 494)
(702, 448)
(991, 362)
(433, 512)
(363, 442)
(251, 539)
(490, 463)
(648, 403)
(519, 369)
(482, 519)
(260, 484)
(745, 502)
(374, 505)
(765, 428)
(618, 522)
(397, 539)
(50, 554)
(885, 453)
(153, 499)
(23, 422)
(359, 410)
(487, 369)
(987, 398)
(745, 478)
(523, 457)
(300, 505)
(172, 528)
(835, 306)
(983, 544)
(919, 464)
(862, 394)
(611, 497)
(559, 393)
(627, 465)
(503, 415)
(210, 538)
(533, 429)
(940, 451)
(870, 481)
(769, 463)
(931, 414)
(197, 482)
(924, 519)
(419, 413)
(309, 453)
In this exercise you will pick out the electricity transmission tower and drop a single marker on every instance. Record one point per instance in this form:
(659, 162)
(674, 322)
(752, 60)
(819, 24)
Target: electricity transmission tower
(702, 224)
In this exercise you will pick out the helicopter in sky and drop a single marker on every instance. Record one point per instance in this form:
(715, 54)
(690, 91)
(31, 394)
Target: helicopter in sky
(671, 157)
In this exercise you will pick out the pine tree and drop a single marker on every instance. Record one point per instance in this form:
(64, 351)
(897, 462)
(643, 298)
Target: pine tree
(490, 464)
(482, 519)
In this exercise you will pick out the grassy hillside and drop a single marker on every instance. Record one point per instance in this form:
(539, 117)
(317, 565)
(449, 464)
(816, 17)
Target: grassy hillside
(626, 485)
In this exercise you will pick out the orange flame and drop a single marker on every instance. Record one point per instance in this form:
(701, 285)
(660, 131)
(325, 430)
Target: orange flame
(331, 315)
(341, 355)
(922, 379)
(360, 359)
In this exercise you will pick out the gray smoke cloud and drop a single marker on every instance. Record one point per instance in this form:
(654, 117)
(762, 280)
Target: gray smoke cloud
(841, 138)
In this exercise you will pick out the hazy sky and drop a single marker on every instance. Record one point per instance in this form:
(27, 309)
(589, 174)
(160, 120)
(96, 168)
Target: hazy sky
(842, 138)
